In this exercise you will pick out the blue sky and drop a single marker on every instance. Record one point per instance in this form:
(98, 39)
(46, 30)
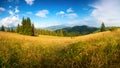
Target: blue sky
(44, 13)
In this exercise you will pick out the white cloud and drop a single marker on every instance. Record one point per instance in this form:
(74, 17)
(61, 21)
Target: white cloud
(107, 11)
(84, 21)
(11, 20)
(76, 22)
(29, 2)
(11, 12)
(42, 13)
(2, 9)
(60, 13)
(71, 15)
(16, 10)
(69, 10)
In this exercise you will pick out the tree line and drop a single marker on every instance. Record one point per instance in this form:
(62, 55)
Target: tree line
(48, 32)
(27, 28)
(7, 29)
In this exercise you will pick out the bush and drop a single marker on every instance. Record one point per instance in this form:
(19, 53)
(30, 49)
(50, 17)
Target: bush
(112, 28)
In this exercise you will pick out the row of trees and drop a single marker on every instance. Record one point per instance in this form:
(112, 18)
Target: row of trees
(111, 28)
(26, 27)
(8, 29)
(48, 32)
(61, 33)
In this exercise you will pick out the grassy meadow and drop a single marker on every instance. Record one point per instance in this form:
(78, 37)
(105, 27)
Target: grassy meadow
(99, 50)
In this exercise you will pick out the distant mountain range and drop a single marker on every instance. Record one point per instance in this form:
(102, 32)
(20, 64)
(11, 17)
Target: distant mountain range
(55, 27)
(78, 30)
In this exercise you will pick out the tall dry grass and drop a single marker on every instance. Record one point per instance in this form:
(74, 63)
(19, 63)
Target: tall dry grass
(100, 50)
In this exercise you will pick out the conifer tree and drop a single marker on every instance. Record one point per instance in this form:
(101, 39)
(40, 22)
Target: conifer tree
(2, 28)
(33, 30)
(18, 28)
(102, 27)
(26, 28)
(61, 32)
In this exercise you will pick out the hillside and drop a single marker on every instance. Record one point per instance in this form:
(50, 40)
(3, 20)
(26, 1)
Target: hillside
(78, 30)
(99, 50)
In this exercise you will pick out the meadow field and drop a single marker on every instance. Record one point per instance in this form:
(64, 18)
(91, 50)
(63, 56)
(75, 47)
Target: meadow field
(98, 50)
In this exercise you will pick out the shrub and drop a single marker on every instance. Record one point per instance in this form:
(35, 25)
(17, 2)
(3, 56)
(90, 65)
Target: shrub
(112, 28)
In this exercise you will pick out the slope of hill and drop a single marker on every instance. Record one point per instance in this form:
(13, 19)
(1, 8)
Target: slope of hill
(99, 50)
(78, 30)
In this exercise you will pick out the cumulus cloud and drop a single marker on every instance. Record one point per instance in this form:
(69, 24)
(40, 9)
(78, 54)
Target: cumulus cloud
(2, 9)
(107, 11)
(16, 10)
(13, 12)
(42, 13)
(11, 20)
(69, 10)
(29, 2)
(71, 15)
(60, 13)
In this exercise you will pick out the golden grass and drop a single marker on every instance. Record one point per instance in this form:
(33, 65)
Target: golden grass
(46, 40)
(27, 51)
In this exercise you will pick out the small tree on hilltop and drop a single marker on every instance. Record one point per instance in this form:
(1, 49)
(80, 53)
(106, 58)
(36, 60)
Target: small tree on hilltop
(102, 27)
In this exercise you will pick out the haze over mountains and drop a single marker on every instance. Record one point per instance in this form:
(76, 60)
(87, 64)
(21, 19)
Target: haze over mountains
(78, 30)
(55, 27)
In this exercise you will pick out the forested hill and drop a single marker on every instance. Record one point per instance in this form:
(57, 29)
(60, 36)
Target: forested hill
(78, 30)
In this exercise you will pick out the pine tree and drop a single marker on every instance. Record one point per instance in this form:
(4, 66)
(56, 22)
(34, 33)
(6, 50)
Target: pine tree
(2, 28)
(26, 28)
(22, 28)
(61, 32)
(33, 30)
(18, 28)
(102, 27)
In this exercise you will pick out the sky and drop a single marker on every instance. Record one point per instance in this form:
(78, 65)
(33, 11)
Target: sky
(45, 13)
